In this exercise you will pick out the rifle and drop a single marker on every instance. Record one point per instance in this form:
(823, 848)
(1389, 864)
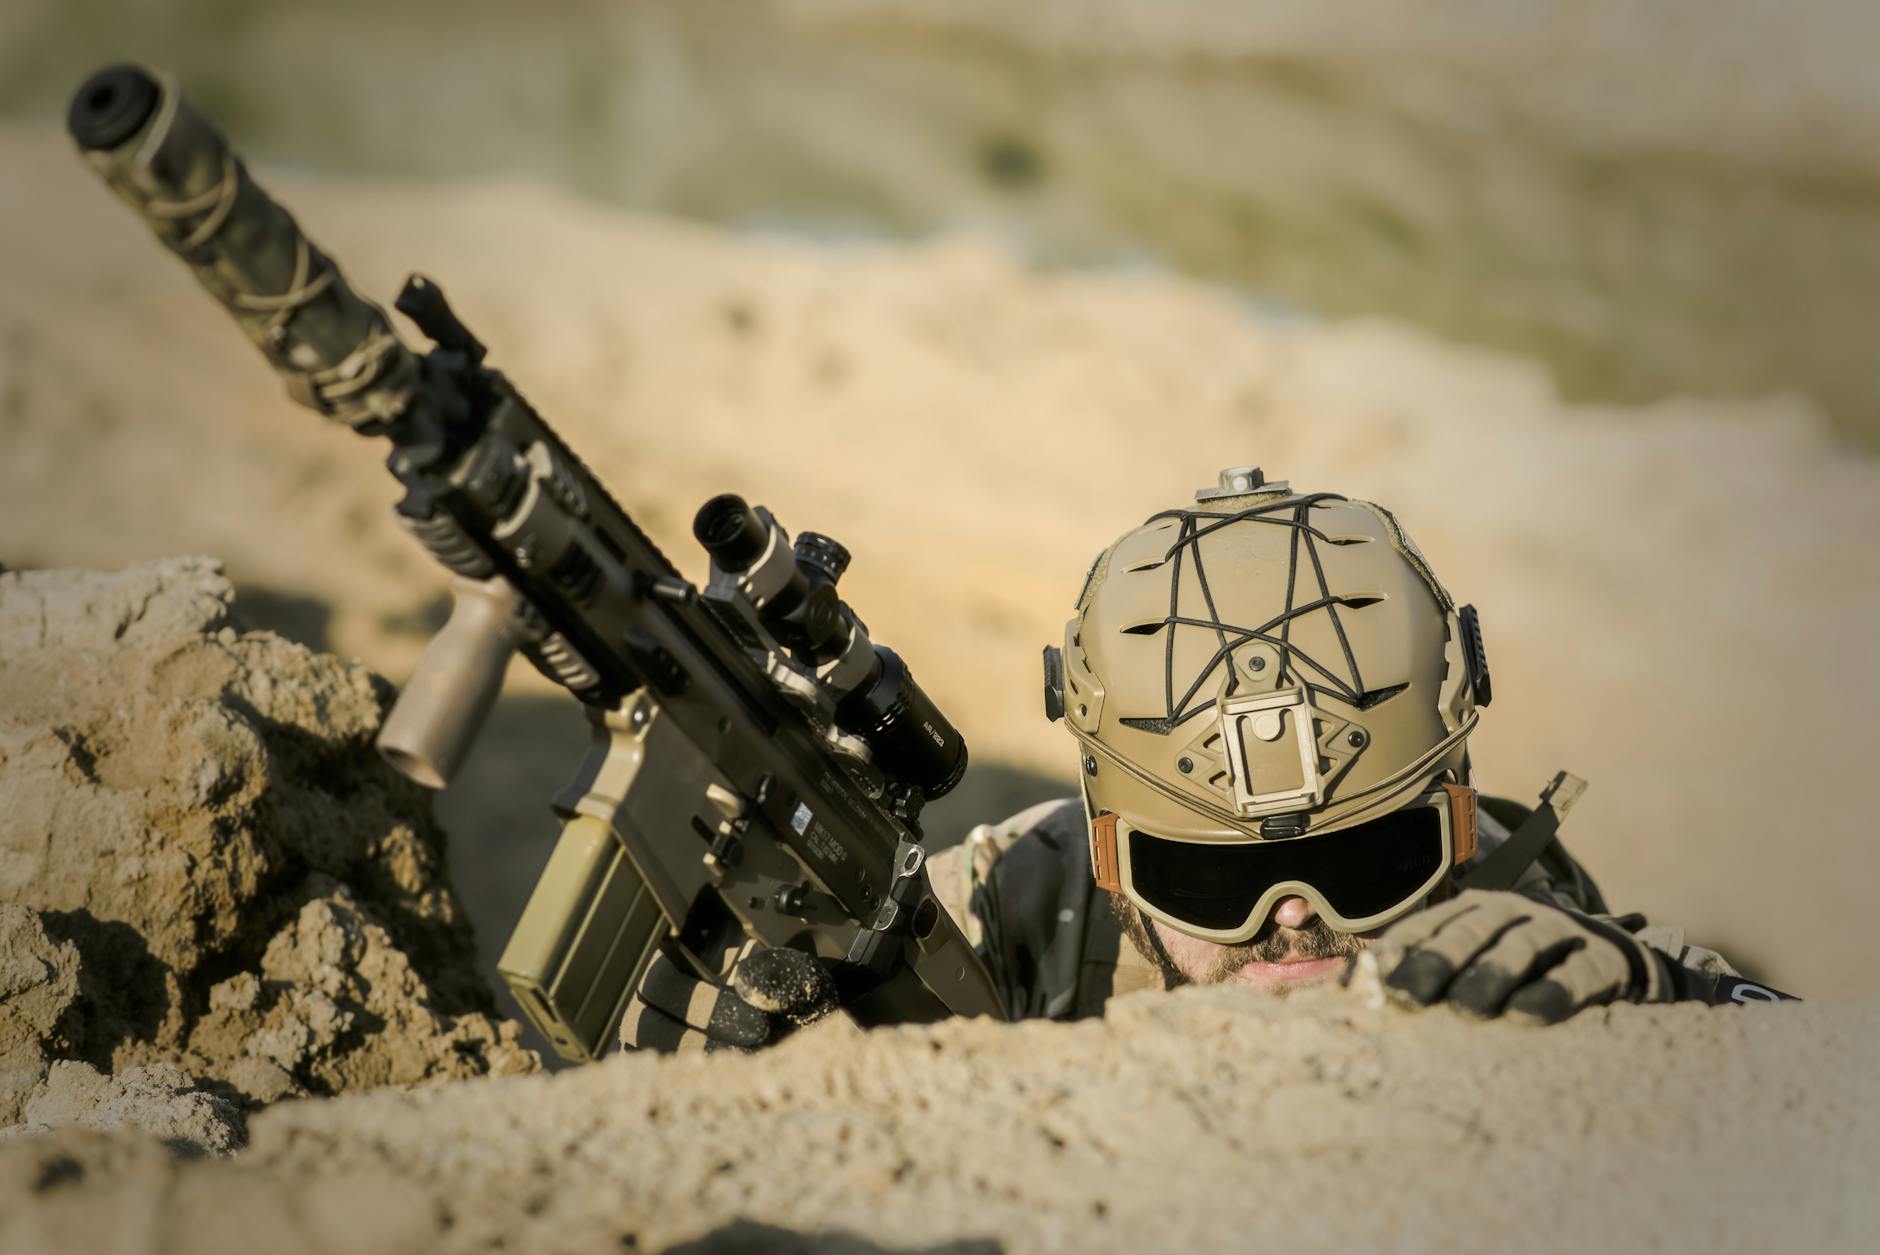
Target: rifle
(757, 766)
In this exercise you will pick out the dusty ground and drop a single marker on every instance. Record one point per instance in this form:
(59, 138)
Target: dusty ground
(212, 893)
(1204, 1120)
(1679, 599)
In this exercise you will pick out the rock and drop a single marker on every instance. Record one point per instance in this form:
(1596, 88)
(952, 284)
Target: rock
(326, 974)
(38, 985)
(158, 1098)
(204, 863)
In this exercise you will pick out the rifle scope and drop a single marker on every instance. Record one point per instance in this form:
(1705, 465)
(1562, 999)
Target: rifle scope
(911, 740)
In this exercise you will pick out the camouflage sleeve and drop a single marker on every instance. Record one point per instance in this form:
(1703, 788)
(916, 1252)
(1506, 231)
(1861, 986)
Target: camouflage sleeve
(1702, 975)
(1558, 878)
(1010, 886)
(1668, 939)
(960, 872)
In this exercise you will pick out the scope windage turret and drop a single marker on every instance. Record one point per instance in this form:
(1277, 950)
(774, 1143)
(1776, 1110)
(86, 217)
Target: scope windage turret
(825, 621)
(821, 556)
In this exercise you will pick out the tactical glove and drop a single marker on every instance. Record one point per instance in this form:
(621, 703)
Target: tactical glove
(771, 993)
(1489, 953)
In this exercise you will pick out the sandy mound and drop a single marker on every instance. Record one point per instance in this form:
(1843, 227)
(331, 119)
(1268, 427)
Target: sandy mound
(204, 865)
(1203, 1120)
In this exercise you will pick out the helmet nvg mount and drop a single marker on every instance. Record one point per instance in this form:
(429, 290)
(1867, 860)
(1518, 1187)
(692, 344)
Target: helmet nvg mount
(1260, 666)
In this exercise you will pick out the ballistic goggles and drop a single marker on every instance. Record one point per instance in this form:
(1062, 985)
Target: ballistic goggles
(1356, 878)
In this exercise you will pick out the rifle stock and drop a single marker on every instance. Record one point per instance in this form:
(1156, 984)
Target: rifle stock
(757, 765)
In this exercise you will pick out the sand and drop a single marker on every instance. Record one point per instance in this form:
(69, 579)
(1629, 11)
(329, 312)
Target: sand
(1680, 197)
(1201, 1120)
(213, 895)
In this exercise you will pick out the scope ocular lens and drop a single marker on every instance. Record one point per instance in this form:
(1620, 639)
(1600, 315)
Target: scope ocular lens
(730, 531)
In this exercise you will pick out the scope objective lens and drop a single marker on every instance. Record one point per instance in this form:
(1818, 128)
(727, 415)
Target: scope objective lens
(912, 741)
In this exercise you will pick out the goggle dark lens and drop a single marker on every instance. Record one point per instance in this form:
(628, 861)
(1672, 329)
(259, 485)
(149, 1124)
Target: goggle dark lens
(1360, 871)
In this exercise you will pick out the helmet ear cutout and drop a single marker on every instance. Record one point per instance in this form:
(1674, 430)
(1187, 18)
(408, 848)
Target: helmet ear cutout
(1474, 655)
(1083, 691)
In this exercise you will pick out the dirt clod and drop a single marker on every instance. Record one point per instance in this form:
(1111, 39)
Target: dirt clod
(38, 985)
(159, 1098)
(207, 877)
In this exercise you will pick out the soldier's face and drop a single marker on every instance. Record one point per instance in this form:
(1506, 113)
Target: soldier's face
(1296, 948)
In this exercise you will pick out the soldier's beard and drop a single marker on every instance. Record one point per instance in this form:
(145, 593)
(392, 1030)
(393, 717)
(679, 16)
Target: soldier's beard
(1273, 944)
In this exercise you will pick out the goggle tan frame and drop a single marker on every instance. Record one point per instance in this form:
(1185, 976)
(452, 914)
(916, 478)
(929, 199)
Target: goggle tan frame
(1455, 805)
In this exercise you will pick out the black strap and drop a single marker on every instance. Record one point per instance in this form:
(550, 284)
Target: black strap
(1501, 867)
(1735, 991)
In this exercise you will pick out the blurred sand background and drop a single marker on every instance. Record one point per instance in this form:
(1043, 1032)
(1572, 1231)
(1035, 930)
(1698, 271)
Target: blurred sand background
(1585, 297)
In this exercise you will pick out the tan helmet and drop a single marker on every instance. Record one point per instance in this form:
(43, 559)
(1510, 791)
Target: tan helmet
(1265, 665)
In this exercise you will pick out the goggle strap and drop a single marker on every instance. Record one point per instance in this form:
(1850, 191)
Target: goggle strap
(1461, 821)
(1103, 861)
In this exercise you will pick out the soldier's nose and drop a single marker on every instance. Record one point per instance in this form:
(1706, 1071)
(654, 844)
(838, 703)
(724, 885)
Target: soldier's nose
(1293, 912)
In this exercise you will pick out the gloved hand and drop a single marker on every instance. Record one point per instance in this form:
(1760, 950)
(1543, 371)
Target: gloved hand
(1486, 953)
(772, 992)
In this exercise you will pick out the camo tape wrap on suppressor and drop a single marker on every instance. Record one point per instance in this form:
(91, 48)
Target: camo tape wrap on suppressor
(591, 925)
(335, 351)
(752, 819)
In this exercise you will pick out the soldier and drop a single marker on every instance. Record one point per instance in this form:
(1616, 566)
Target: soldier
(1272, 696)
